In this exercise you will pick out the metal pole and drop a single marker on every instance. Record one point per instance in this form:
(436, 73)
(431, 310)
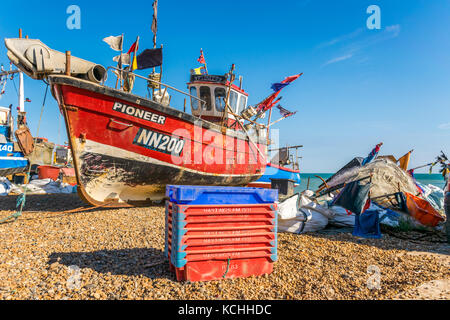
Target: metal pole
(21, 93)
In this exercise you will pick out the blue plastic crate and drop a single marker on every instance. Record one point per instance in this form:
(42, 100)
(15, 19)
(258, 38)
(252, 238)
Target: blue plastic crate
(220, 195)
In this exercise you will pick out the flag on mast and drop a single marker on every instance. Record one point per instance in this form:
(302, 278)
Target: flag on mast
(149, 58)
(201, 59)
(155, 22)
(284, 112)
(134, 47)
(280, 85)
(372, 154)
(403, 162)
(269, 102)
(116, 43)
(125, 58)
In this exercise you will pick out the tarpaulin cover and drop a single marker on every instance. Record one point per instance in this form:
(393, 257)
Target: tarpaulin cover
(353, 197)
(422, 211)
(337, 177)
(367, 225)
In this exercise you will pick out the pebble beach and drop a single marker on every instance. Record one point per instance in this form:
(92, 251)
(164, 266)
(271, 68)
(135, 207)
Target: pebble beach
(119, 254)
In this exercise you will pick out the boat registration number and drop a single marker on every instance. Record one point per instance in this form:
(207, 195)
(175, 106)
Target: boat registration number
(6, 147)
(159, 142)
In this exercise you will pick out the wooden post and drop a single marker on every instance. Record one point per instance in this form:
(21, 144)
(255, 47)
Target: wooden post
(26, 37)
(20, 33)
(120, 66)
(307, 186)
(184, 108)
(68, 66)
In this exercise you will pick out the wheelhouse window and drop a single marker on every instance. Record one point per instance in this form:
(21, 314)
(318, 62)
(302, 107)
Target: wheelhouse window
(194, 102)
(233, 100)
(220, 95)
(242, 104)
(205, 95)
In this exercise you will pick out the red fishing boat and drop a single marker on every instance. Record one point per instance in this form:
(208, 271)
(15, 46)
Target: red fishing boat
(126, 148)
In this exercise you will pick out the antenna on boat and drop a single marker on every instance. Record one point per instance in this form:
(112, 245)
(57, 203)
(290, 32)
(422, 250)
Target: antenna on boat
(230, 83)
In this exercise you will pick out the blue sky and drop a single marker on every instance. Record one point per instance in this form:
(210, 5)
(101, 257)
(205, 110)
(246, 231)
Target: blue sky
(359, 87)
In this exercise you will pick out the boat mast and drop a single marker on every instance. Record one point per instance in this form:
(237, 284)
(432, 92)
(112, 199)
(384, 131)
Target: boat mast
(21, 93)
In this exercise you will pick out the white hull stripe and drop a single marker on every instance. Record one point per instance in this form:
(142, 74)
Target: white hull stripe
(14, 158)
(100, 148)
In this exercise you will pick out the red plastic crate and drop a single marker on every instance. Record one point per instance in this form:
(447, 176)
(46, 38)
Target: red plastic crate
(215, 235)
(217, 269)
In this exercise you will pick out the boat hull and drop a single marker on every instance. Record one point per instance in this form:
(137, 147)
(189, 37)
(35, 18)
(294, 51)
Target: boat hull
(11, 162)
(276, 172)
(126, 149)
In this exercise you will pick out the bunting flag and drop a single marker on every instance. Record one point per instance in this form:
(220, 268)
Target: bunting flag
(285, 113)
(27, 100)
(280, 85)
(116, 43)
(201, 59)
(269, 102)
(149, 58)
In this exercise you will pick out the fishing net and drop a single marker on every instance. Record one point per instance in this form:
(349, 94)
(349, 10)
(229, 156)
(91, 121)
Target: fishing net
(387, 178)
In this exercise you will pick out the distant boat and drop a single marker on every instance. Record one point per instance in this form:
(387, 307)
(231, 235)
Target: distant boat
(12, 161)
(279, 168)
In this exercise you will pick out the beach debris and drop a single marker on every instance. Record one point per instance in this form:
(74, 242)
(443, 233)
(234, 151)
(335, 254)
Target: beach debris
(302, 216)
(38, 186)
(367, 225)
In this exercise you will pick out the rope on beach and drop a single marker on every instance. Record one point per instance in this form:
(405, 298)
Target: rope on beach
(228, 266)
(22, 198)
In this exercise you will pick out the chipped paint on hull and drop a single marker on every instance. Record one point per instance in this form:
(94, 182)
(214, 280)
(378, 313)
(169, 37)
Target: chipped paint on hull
(112, 174)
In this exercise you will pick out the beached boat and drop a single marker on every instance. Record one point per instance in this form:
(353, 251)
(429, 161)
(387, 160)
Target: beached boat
(12, 160)
(282, 166)
(126, 148)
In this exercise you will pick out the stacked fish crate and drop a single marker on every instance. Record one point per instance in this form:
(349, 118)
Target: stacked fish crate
(220, 232)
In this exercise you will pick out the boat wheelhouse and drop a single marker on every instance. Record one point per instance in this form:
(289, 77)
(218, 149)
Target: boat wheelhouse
(214, 90)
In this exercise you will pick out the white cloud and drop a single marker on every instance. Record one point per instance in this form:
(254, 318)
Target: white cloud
(342, 38)
(444, 126)
(339, 59)
(357, 46)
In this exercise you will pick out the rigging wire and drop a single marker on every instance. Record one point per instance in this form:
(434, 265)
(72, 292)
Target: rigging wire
(15, 87)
